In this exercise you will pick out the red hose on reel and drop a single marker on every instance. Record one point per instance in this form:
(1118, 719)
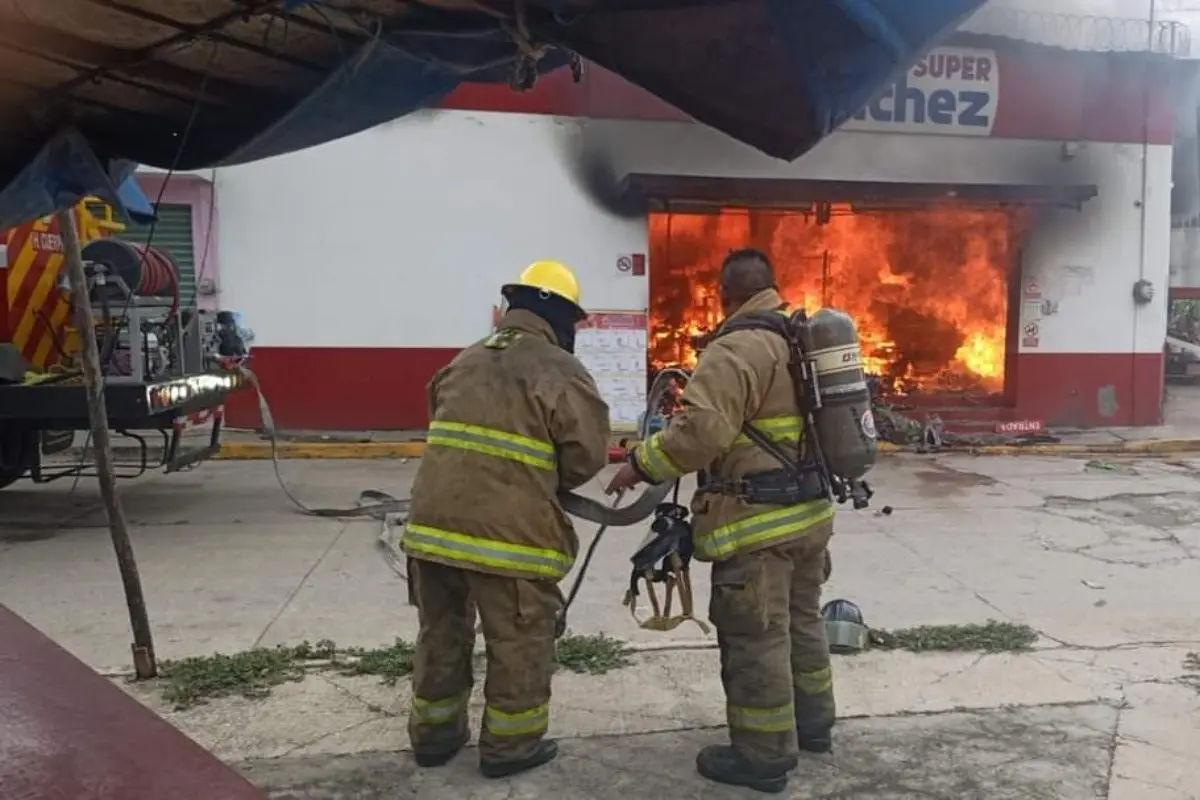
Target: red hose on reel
(147, 271)
(159, 275)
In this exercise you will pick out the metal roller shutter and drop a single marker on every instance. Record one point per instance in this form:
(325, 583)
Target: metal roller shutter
(172, 233)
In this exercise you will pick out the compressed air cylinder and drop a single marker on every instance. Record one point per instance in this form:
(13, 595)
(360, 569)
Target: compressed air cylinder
(844, 424)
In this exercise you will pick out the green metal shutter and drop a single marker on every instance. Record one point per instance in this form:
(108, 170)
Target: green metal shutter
(172, 233)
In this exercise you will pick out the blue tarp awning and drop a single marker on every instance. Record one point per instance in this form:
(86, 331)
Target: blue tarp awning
(776, 74)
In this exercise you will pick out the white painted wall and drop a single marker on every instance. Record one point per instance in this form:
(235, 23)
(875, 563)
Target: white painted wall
(401, 236)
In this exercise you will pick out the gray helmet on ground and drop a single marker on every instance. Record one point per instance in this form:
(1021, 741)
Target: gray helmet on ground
(844, 626)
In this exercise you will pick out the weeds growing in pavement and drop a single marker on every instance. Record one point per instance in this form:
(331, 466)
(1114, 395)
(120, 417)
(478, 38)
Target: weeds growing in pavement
(593, 655)
(990, 637)
(254, 673)
(389, 663)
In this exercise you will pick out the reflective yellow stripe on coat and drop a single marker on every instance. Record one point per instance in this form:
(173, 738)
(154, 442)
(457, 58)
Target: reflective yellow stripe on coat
(492, 442)
(777, 429)
(535, 562)
(761, 529)
(654, 461)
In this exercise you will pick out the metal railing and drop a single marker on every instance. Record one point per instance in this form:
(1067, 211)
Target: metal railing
(1083, 32)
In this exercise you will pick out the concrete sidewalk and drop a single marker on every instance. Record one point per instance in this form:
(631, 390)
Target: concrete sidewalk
(1099, 557)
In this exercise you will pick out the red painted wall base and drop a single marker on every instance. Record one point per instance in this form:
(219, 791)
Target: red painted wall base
(364, 388)
(341, 388)
(1090, 389)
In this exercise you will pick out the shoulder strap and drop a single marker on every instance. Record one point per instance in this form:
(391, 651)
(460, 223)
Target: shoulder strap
(774, 321)
(778, 322)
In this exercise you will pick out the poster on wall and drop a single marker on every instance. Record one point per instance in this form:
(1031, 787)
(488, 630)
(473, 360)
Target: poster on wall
(612, 345)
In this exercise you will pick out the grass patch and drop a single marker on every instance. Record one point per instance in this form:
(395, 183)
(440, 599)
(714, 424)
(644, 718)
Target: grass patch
(591, 655)
(990, 637)
(254, 673)
(389, 663)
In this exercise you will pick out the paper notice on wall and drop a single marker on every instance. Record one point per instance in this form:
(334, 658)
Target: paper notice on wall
(1031, 310)
(612, 345)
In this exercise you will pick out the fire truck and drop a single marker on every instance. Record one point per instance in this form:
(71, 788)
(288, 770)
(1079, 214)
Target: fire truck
(167, 368)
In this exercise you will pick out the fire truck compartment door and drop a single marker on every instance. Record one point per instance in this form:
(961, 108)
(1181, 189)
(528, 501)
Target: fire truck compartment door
(701, 193)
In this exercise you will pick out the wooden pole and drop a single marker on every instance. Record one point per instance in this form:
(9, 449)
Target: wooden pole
(144, 662)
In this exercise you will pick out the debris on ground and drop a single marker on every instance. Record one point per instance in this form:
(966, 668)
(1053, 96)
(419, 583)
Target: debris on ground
(1191, 671)
(990, 637)
(895, 427)
(1097, 465)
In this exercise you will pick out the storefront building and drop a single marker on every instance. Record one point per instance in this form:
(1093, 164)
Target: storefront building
(998, 222)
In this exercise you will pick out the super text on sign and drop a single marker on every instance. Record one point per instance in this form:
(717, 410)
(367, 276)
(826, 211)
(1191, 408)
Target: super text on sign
(953, 90)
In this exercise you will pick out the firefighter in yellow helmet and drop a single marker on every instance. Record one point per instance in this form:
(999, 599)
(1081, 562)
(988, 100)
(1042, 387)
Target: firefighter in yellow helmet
(764, 529)
(515, 418)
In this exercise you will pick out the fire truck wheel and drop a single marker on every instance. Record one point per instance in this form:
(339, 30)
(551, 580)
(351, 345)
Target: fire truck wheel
(18, 449)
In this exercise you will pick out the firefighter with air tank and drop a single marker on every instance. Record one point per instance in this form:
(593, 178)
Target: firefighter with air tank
(776, 420)
(763, 513)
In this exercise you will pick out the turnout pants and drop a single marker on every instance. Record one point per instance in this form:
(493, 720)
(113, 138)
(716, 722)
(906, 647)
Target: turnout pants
(774, 652)
(518, 630)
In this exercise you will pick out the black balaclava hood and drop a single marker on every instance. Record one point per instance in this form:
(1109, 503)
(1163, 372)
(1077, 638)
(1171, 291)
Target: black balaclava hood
(562, 314)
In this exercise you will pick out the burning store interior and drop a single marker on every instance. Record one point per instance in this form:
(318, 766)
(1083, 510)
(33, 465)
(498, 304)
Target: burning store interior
(931, 288)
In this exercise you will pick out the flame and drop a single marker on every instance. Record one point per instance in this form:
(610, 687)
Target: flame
(928, 289)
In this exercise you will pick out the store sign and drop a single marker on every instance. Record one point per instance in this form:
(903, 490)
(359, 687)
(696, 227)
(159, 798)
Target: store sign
(952, 90)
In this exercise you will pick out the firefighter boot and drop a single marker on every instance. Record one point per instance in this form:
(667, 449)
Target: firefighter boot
(720, 763)
(430, 756)
(814, 734)
(546, 752)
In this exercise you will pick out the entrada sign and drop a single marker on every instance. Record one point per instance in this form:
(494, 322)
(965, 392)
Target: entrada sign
(952, 90)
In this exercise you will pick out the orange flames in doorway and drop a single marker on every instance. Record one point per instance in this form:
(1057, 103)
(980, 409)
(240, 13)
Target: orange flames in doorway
(928, 288)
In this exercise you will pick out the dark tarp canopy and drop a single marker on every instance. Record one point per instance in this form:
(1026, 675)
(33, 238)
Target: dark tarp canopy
(92, 87)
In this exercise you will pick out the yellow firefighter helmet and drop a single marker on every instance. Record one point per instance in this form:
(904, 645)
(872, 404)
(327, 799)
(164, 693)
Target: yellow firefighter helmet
(552, 277)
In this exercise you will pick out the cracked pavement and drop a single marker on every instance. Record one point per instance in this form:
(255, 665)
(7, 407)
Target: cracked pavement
(1100, 557)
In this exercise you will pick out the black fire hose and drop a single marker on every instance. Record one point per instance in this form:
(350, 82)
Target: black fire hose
(379, 505)
(612, 516)
(643, 507)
